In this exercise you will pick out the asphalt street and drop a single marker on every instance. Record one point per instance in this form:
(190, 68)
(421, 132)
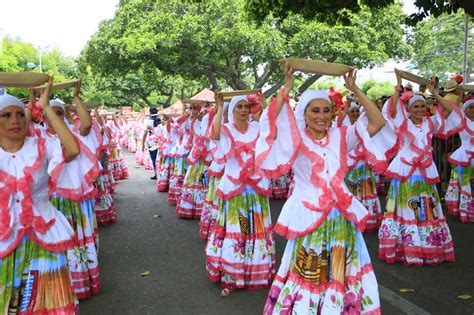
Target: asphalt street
(148, 236)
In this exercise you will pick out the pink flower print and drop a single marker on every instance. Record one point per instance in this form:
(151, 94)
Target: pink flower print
(436, 239)
(269, 243)
(352, 304)
(287, 304)
(444, 231)
(361, 291)
(383, 232)
(333, 298)
(240, 246)
(217, 241)
(406, 238)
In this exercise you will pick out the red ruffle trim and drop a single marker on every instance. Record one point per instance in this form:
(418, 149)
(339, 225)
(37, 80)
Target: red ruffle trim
(271, 137)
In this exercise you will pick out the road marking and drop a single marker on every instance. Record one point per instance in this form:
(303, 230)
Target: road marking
(399, 302)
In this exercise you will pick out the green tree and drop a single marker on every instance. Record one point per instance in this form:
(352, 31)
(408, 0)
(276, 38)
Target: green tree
(333, 11)
(438, 45)
(16, 55)
(214, 43)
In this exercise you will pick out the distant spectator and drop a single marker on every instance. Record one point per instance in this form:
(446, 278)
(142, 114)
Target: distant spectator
(450, 89)
(422, 90)
(458, 78)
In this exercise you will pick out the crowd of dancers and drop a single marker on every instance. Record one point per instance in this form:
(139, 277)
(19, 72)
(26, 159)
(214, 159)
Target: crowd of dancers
(58, 166)
(219, 163)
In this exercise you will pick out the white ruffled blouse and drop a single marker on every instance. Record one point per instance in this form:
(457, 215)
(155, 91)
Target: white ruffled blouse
(319, 168)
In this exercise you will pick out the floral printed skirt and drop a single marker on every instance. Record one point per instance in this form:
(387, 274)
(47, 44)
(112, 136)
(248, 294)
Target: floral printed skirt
(139, 156)
(193, 192)
(459, 194)
(104, 202)
(163, 179)
(210, 209)
(280, 187)
(35, 281)
(414, 229)
(117, 163)
(83, 258)
(240, 251)
(327, 271)
(180, 166)
(147, 162)
(132, 144)
(362, 184)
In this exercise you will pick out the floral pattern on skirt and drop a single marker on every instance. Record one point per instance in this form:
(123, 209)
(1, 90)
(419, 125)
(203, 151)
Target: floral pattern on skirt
(180, 166)
(327, 271)
(362, 184)
(83, 258)
(240, 251)
(414, 230)
(280, 186)
(163, 180)
(459, 193)
(210, 209)
(35, 281)
(104, 202)
(193, 192)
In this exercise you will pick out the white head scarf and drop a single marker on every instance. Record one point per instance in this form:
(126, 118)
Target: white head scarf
(57, 103)
(233, 103)
(466, 105)
(415, 98)
(305, 99)
(7, 100)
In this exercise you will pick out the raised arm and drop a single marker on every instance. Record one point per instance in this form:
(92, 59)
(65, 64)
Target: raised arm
(396, 94)
(289, 82)
(68, 142)
(375, 117)
(84, 116)
(218, 117)
(447, 107)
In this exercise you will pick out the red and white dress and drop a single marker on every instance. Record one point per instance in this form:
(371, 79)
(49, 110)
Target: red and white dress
(459, 193)
(414, 229)
(326, 268)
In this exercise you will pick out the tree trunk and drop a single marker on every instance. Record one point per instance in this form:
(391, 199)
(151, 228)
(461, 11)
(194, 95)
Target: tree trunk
(169, 99)
(146, 100)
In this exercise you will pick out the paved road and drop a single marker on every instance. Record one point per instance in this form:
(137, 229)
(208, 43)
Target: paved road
(171, 250)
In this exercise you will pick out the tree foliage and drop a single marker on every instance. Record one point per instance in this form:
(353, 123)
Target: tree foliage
(333, 11)
(214, 43)
(16, 56)
(439, 46)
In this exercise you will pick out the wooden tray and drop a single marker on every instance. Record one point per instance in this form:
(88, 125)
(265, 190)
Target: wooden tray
(22, 79)
(414, 78)
(197, 102)
(318, 67)
(59, 86)
(468, 88)
(227, 96)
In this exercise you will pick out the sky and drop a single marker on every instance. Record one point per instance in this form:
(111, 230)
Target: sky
(68, 25)
(63, 24)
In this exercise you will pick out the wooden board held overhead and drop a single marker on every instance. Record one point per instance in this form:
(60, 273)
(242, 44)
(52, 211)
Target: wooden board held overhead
(59, 86)
(22, 79)
(317, 67)
(414, 78)
(227, 96)
(467, 88)
(197, 102)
